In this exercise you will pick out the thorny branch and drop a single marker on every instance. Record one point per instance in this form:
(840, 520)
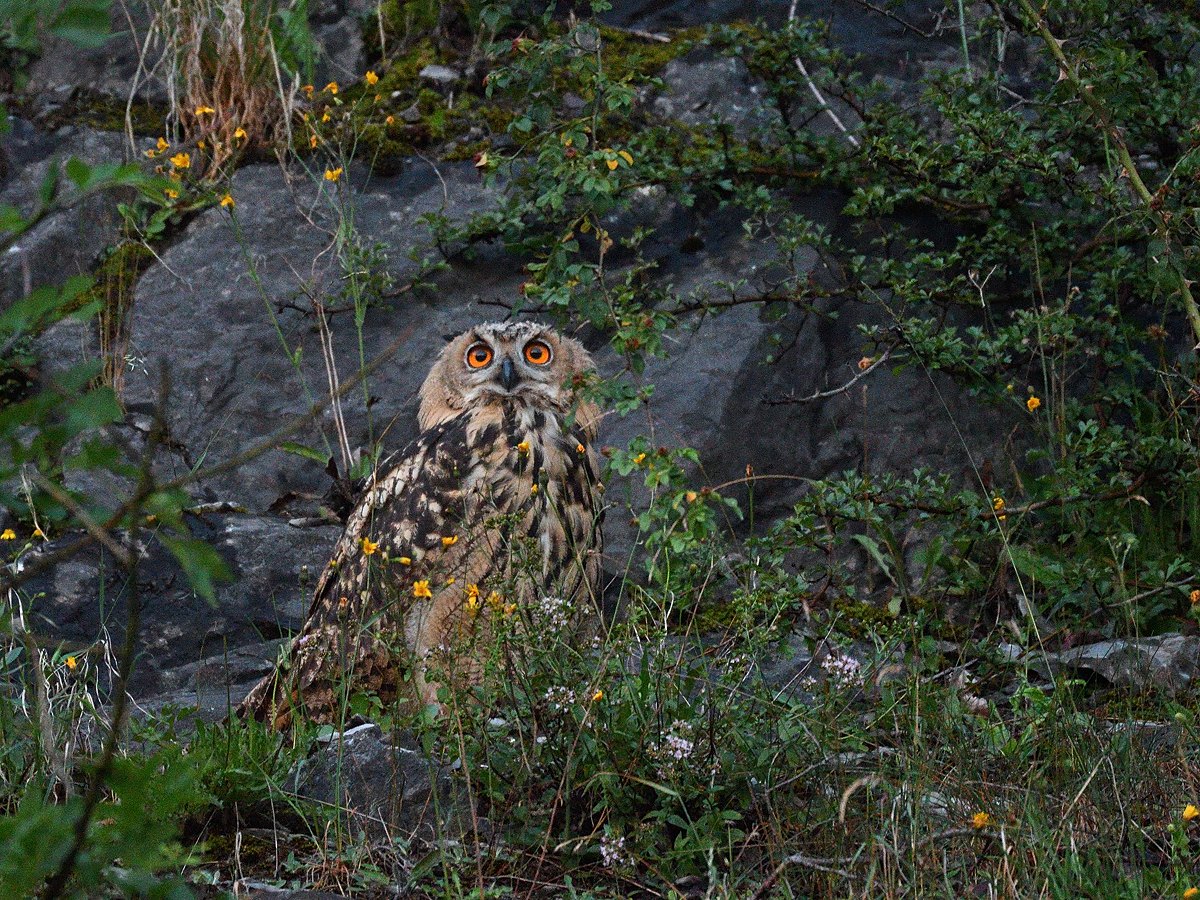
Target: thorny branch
(833, 392)
(1070, 72)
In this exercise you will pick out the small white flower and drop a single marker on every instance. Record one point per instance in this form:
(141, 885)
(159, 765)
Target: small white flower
(612, 852)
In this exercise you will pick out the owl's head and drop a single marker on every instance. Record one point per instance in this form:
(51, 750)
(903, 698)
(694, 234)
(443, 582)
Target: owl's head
(521, 361)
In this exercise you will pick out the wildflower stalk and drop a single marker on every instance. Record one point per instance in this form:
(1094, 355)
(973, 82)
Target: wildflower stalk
(1070, 73)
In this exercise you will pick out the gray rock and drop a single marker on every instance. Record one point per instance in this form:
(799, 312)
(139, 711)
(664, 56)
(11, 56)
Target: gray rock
(384, 785)
(69, 241)
(183, 637)
(441, 77)
(788, 666)
(108, 69)
(702, 88)
(1165, 662)
(342, 54)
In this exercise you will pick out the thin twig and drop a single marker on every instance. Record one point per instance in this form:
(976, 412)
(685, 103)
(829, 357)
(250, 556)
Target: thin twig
(821, 395)
(90, 525)
(816, 92)
(928, 35)
(810, 862)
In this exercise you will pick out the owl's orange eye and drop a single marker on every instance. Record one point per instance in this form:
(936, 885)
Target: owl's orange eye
(537, 353)
(479, 355)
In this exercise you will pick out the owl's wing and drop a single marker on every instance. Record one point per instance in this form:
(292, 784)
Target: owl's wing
(391, 549)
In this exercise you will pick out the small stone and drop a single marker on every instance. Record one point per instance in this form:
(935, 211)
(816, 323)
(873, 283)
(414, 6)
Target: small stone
(441, 77)
(411, 115)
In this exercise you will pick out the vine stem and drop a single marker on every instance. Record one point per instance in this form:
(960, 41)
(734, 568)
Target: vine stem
(1070, 72)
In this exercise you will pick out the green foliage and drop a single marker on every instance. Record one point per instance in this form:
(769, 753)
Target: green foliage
(134, 835)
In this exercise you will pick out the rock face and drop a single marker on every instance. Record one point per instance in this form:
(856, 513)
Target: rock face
(1169, 663)
(227, 311)
(385, 786)
(69, 242)
(274, 567)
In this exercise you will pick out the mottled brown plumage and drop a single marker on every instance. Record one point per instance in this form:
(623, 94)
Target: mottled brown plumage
(495, 506)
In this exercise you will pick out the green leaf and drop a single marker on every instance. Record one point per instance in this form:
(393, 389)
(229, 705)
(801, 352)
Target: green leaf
(307, 452)
(876, 552)
(78, 171)
(200, 563)
(83, 24)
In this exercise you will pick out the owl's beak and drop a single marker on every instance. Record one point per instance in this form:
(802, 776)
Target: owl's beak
(508, 374)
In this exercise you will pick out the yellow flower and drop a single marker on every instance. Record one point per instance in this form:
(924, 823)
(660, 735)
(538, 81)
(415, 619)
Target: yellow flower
(1191, 893)
(533, 489)
(228, 200)
(378, 97)
(405, 560)
(71, 663)
(390, 120)
(450, 541)
(171, 193)
(204, 110)
(598, 696)
(1194, 596)
(1032, 403)
(372, 78)
(332, 87)
(495, 601)
(421, 589)
(312, 141)
(162, 145)
(202, 145)
(239, 134)
(690, 496)
(151, 153)
(333, 174)
(865, 363)
(451, 580)
(8, 535)
(579, 448)
(523, 447)
(325, 116)
(369, 546)
(1190, 812)
(625, 155)
(473, 603)
(639, 459)
(998, 508)
(509, 609)
(611, 163)
(308, 90)
(981, 820)
(37, 532)
(181, 160)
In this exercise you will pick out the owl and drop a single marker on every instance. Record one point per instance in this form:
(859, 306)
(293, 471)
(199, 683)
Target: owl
(494, 507)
